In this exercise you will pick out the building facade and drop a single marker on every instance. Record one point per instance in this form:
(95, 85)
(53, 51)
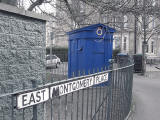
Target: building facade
(124, 38)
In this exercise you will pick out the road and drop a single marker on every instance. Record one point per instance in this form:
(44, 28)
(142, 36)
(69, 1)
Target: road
(146, 92)
(57, 74)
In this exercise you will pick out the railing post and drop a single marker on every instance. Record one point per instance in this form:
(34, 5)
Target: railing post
(110, 91)
(23, 112)
(12, 103)
(34, 84)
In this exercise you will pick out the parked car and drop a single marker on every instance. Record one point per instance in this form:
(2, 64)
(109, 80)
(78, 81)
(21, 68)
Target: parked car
(52, 61)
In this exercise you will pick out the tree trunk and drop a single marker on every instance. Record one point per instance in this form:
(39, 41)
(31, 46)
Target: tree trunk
(144, 42)
(135, 30)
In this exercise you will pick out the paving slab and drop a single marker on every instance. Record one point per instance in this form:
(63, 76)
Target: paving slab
(146, 90)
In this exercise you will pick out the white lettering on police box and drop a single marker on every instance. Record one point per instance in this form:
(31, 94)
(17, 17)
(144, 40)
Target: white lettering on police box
(32, 98)
(77, 85)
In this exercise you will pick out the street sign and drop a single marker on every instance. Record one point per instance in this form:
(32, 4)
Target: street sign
(77, 85)
(38, 96)
(32, 98)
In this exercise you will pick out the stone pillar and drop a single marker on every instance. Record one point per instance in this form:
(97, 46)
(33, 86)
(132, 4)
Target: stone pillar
(22, 53)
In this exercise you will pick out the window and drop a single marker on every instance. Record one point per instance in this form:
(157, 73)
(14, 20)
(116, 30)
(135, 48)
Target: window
(117, 42)
(147, 48)
(125, 43)
(152, 46)
(125, 21)
(51, 35)
(51, 57)
(147, 18)
(105, 19)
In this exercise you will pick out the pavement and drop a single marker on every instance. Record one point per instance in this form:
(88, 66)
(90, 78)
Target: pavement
(146, 94)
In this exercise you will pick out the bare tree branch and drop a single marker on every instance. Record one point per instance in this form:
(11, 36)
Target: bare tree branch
(34, 4)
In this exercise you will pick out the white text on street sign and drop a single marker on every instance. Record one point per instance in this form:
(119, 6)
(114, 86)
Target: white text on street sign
(38, 96)
(32, 98)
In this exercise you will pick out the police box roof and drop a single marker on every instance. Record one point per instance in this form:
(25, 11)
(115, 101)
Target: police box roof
(91, 28)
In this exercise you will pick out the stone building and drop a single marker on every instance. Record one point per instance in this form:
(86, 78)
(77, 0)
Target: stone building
(85, 15)
(128, 43)
(123, 23)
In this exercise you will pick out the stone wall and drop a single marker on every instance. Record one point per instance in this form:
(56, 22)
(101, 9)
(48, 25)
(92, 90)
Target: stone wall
(22, 58)
(22, 51)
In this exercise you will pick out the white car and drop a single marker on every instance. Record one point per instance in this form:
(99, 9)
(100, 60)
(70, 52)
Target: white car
(52, 61)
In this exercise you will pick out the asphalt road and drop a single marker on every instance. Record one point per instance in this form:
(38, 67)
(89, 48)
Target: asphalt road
(56, 74)
(146, 92)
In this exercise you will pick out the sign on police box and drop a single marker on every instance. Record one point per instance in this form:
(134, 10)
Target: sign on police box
(42, 95)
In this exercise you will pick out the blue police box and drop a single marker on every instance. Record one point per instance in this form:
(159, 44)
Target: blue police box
(90, 49)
